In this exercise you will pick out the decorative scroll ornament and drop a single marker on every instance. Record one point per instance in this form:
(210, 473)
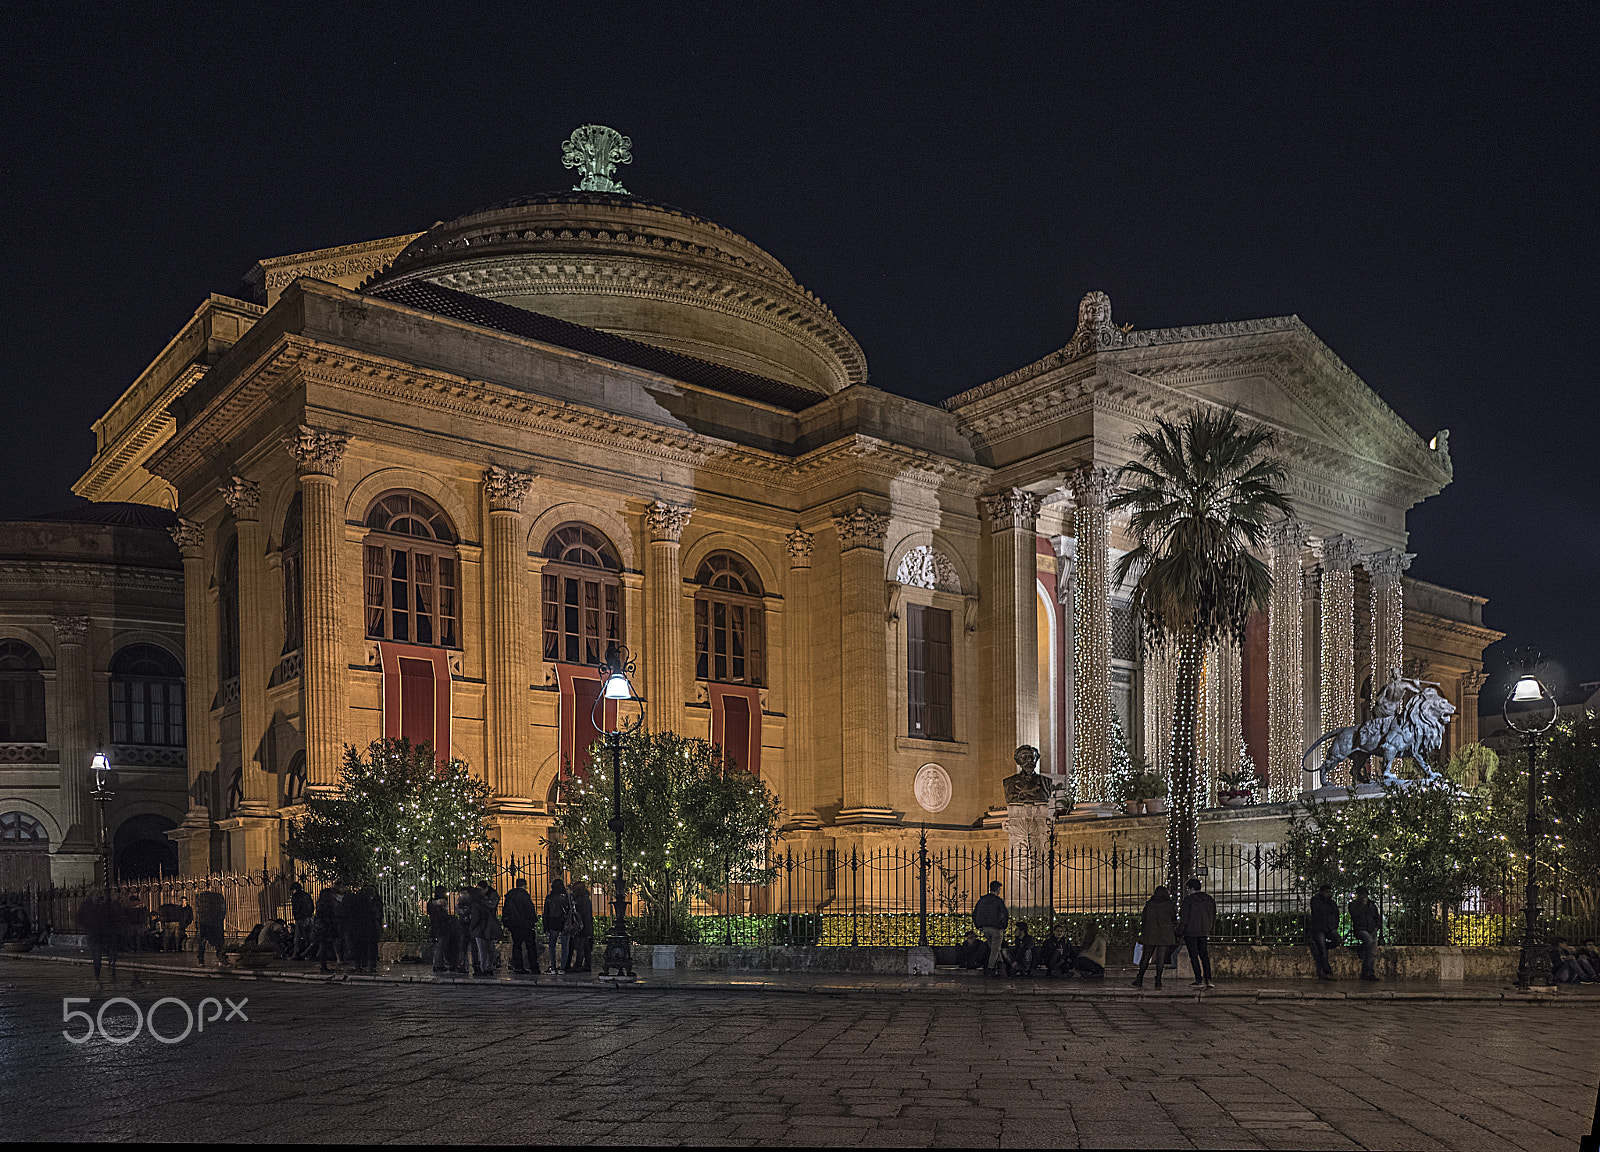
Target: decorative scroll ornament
(189, 537)
(506, 487)
(1095, 331)
(861, 528)
(70, 629)
(1340, 553)
(1090, 486)
(927, 567)
(800, 545)
(242, 496)
(1012, 508)
(1388, 564)
(318, 451)
(1287, 536)
(667, 521)
(595, 151)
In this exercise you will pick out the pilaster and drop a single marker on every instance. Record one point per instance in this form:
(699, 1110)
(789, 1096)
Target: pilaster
(318, 454)
(510, 768)
(663, 594)
(1012, 640)
(1091, 626)
(865, 719)
(1388, 612)
(74, 740)
(242, 497)
(1285, 673)
(800, 770)
(193, 836)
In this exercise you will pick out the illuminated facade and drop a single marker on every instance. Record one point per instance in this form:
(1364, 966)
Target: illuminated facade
(451, 466)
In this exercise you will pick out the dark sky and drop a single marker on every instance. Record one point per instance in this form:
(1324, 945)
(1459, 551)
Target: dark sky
(1421, 192)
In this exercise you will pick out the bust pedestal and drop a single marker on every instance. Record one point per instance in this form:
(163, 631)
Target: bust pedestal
(1028, 842)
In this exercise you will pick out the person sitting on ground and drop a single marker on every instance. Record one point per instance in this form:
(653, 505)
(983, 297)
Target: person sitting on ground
(1091, 958)
(972, 952)
(1023, 953)
(275, 937)
(1566, 966)
(252, 938)
(1589, 955)
(1056, 952)
(990, 917)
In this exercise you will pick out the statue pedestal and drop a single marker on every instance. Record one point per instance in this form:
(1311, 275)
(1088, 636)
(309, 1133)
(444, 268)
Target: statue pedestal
(1028, 842)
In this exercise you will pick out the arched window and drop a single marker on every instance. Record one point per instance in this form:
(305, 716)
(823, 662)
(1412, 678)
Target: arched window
(412, 572)
(228, 612)
(729, 630)
(582, 595)
(19, 830)
(146, 696)
(293, 558)
(21, 694)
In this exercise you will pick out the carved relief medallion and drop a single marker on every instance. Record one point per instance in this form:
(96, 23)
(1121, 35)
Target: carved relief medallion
(932, 788)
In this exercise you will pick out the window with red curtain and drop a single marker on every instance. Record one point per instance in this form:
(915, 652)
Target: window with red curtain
(410, 572)
(582, 596)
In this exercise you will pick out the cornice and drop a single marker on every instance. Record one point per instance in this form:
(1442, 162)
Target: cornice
(48, 574)
(1475, 632)
(278, 272)
(858, 455)
(145, 432)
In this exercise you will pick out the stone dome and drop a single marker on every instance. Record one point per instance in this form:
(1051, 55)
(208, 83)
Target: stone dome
(642, 270)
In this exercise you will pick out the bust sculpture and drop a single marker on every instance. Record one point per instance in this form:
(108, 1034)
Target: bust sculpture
(1027, 786)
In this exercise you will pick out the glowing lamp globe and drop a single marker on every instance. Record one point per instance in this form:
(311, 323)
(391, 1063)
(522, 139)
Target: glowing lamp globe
(1527, 691)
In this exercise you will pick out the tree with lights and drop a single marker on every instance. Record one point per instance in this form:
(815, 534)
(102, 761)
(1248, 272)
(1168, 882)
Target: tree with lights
(400, 814)
(693, 823)
(1201, 498)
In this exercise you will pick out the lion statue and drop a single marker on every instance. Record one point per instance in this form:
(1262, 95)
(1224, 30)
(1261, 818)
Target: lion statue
(1414, 731)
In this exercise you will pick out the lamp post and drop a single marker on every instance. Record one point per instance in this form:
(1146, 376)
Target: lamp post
(103, 794)
(1531, 723)
(615, 688)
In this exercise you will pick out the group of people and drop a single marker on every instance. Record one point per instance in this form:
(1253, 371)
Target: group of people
(110, 927)
(466, 940)
(1366, 922)
(1162, 926)
(1569, 965)
(343, 924)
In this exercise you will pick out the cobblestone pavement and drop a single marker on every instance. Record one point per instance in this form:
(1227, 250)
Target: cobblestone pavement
(450, 1064)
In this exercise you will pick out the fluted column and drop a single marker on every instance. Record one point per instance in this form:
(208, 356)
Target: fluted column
(74, 741)
(1013, 634)
(1066, 550)
(1091, 627)
(242, 497)
(799, 758)
(199, 679)
(1339, 556)
(1285, 675)
(510, 757)
(865, 718)
(1388, 612)
(319, 454)
(663, 595)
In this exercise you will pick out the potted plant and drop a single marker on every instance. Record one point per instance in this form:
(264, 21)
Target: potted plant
(1129, 793)
(1238, 787)
(1155, 801)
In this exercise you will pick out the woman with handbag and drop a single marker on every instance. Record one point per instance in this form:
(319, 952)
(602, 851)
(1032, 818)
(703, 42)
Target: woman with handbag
(1158, 933)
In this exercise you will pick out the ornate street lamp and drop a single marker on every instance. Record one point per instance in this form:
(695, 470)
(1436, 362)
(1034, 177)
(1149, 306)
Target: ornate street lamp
(615, 688)
(105, 778)
(1531, 721)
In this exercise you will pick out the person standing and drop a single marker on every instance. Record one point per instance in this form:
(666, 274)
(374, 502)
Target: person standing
(100, 920)
(582, 931)
(302, 909)
(1324, 930)
(521, 919)
(557, 911)
(1366, 922)
(486, 931)
(990, 917)
(441, 929)
(368, 928)
(1197, 920)
(211, 913)
(326, 926)
(1158, 932)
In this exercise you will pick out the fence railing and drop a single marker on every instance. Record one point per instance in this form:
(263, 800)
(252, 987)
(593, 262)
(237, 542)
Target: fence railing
(888, 896)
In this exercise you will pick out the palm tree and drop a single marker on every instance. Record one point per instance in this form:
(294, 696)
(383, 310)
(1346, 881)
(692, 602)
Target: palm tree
(1202, 496)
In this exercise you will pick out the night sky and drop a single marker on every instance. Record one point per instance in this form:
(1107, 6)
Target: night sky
(951, 183)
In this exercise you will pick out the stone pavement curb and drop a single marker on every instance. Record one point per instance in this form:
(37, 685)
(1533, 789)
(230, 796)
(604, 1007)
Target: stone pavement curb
(926, 987)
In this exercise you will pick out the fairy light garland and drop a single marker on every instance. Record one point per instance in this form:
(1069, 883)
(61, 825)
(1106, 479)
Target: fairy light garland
(1092, 633)
(1339, 554)
(1285, 671)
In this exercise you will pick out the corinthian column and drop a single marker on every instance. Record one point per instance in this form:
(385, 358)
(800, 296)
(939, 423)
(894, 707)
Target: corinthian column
(319, 454)
(1012, 644)
(242, 497)
(800, 767)
(1388, 612)
(510, 767)
(1091, 630)
(663, 637)
(1066, 549)
(1285, 675)
(865, 712)
(1339, 555)
(74, 741)
(199, 670)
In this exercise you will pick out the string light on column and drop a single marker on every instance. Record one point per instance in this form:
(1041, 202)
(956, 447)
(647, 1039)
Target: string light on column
(1286, 707)
(1339, 555)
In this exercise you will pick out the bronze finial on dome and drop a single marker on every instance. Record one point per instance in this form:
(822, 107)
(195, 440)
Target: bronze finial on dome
(595, 151)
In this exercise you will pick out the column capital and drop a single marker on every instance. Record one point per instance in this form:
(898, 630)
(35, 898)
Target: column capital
(506, 487)
(1340, 553)
(1287, 536)
(800, 543)
(1090, 484)
(189, 537)
(70, 629)
(1010, 508)
(861, 528)
(1387, 564)
(318, 451)
(1473, 680)
(667, 521)
(242, 497)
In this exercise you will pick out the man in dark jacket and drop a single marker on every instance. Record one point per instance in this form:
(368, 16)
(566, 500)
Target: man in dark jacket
(210, 914)
(521, 919)
(101, 921)
(1197, 920)
(1324, 930)
(442, 931)
(1366, 922)
(327, 925)
(990, 917)
(1056, 953)
(303, 909)
(557, 911)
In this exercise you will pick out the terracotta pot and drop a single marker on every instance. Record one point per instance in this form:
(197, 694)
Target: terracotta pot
(1233, 801)
(1134, 807)
(1156, 806)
